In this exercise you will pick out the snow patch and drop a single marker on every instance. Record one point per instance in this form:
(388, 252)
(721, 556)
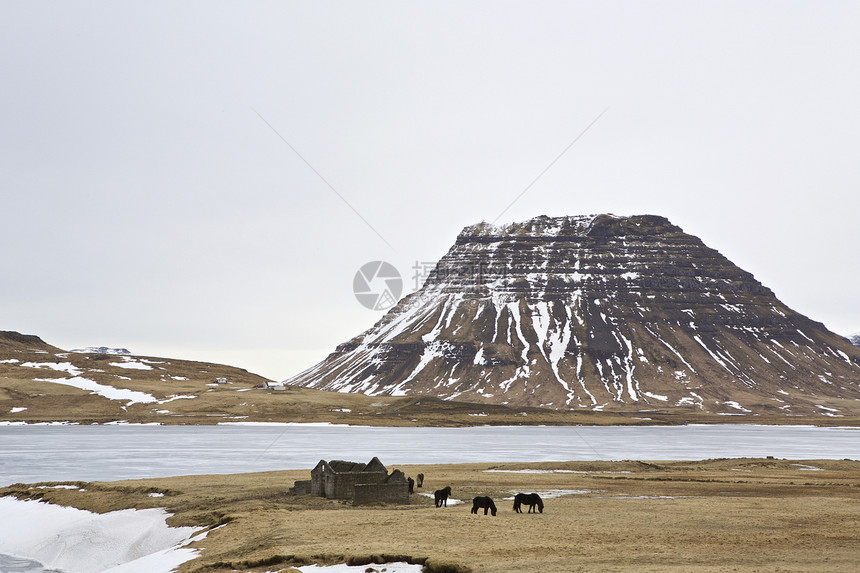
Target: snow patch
(397, 567)
(109, 392)
(451, 500)
(127, 541)
(807, 468)
(826, 408)
(130, 364)
(66, 367)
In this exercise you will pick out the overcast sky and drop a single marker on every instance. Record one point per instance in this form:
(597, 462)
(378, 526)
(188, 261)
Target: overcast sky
(154, 194)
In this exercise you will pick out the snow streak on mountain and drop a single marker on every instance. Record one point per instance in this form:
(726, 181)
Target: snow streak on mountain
(599, 313)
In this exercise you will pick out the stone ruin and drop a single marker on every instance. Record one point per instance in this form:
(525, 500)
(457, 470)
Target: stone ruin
(361, 483)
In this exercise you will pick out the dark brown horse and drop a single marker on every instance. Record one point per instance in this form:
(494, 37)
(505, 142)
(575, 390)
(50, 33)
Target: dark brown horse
(483, 502)
(420, 480)
(529, 499)
(441, 496)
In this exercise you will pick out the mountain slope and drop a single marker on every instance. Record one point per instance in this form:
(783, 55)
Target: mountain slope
(597, 313)
(40, 383)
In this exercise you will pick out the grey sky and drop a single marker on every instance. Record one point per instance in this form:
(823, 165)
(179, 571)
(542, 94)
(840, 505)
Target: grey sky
(145, 203)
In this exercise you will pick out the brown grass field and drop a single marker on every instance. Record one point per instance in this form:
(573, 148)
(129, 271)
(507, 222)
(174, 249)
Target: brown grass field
(717, 515)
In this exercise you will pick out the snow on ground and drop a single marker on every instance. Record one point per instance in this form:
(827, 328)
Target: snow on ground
(66, 367)
(11, 423)
(531, 471)
(303, 424)
(130, 364)
(16, 410)
(399, 567)
(554, 493)
(130, 396)
(451, 500)
(177, 397)
(77, 381)
(127, 541)
(58, 487)
(807, 468)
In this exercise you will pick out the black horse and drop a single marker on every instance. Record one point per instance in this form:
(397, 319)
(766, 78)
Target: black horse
(529, 499)
(483, 502)
(441, 496)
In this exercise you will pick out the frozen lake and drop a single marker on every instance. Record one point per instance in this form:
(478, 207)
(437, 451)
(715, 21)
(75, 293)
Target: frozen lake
(112, 452)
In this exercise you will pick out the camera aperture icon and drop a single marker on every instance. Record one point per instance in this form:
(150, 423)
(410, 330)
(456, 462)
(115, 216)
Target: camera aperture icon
(377, 285)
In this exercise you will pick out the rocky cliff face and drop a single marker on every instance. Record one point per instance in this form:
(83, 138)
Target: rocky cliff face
(600, 313)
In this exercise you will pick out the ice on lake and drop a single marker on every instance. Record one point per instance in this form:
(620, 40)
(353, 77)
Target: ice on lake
(112, 452)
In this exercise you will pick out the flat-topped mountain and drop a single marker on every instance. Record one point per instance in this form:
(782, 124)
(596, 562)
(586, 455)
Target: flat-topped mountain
(101, 350)
(597, 313)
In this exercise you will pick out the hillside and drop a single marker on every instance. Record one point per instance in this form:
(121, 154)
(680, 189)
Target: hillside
(35, 380)
(597, 313)
(40, 383)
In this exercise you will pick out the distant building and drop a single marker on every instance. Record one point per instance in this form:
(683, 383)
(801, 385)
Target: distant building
(362, 483)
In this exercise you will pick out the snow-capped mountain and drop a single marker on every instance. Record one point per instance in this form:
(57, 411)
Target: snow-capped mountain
(599, 313)
(854, 339)
(102, 350)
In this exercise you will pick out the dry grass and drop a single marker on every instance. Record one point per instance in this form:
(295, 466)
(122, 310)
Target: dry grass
(718, 515)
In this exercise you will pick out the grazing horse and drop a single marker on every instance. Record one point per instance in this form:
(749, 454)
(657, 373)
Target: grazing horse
(441, 496)
(530, 499)
(483, 502)
(411, 483)
(420, 480)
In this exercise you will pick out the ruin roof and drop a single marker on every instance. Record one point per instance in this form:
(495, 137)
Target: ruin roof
(343, 466)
